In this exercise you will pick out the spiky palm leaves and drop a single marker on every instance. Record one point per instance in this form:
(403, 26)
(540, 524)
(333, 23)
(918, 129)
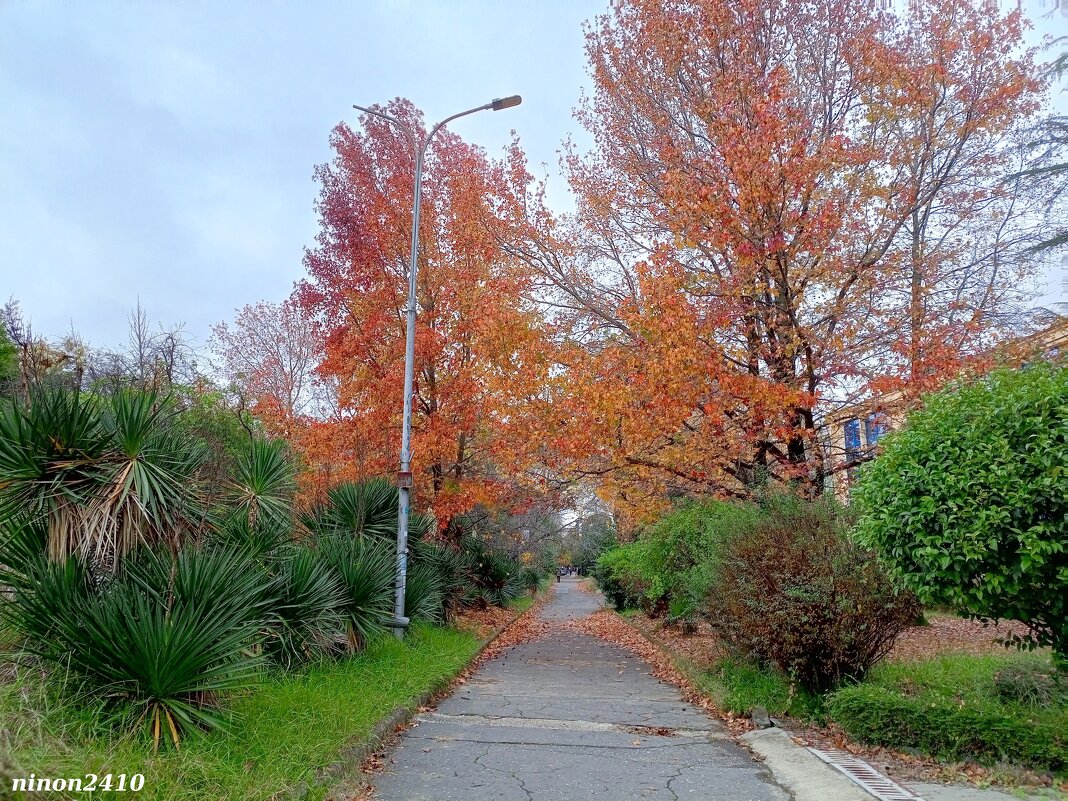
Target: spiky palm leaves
(263, 484)
(424, 592)
(367, 568)
(165, 636)
(365, 508)
(307, 619)
(102, 475)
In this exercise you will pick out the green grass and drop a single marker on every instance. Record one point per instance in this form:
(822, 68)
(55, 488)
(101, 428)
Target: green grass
(283, 729)
(737, 686)
(950, 707)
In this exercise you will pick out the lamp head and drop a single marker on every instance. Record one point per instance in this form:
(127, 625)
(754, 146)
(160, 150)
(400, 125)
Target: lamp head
(506, 102)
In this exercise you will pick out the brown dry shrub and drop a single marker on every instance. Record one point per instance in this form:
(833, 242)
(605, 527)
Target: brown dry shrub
(797, 594)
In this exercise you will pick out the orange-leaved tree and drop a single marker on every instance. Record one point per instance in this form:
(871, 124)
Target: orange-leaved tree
(479, 353)
(786, 203)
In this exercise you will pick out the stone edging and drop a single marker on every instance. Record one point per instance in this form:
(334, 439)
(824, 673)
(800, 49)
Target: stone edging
(353, 756)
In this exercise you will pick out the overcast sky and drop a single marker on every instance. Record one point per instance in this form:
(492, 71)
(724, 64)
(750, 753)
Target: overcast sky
(164, 150)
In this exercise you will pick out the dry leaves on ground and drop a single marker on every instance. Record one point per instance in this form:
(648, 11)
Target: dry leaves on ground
(483, 622)
(903, 767)
(946, 633)
(608, 626)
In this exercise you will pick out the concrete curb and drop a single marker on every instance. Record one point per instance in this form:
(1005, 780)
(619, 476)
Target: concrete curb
(350, 765)
(793, 767)
(802, 773)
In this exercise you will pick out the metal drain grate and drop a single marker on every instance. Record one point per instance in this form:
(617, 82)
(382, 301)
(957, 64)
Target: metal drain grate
(866, 776)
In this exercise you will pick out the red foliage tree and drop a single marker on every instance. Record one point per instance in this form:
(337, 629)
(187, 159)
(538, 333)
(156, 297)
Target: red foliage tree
(479, 353)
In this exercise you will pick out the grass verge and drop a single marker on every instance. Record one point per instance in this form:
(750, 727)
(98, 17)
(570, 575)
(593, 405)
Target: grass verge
(283, 731)
(737, 686)
(991, 709)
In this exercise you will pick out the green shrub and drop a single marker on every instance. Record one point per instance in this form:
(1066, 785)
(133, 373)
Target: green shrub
(1031, 685)
(798, 595)
(673, 564)
(968, 503)
(621, 576)
(947, 729)
(738, 686)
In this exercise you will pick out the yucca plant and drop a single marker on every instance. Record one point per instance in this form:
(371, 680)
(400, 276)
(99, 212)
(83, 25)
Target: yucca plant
(366, 567)
(424, 592)
(454, 572)
(307, 617)
(529, 578)
(263, 483)
(365, 508)
(161, 640)
(40, 593)
(260, 540)
(103, 476)
(497, 576)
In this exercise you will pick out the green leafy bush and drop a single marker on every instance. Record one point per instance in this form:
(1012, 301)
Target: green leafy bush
(622, 576)
(946, 728)
(968, 503)
(674, 563)
(796, 594)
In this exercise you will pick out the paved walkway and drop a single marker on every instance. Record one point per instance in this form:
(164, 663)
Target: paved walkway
(570, 718)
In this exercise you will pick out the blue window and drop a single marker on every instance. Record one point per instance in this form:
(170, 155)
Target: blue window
(874, 427)
(852, 439)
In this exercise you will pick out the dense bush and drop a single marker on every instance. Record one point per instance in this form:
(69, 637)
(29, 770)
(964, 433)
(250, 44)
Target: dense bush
(424, 591)
(946, 728)
(306, 617)
(796, 594)
(673, 564)
(367, 568)
(968, 503)
(1031, 686)
(365, 508)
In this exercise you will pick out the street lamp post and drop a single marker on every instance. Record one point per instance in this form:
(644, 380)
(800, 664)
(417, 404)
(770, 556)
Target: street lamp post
(404, 476)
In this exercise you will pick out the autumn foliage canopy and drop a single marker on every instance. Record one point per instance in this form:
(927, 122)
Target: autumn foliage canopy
(787, 205)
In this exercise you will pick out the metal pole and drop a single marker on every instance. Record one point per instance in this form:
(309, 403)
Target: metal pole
(404, 477)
